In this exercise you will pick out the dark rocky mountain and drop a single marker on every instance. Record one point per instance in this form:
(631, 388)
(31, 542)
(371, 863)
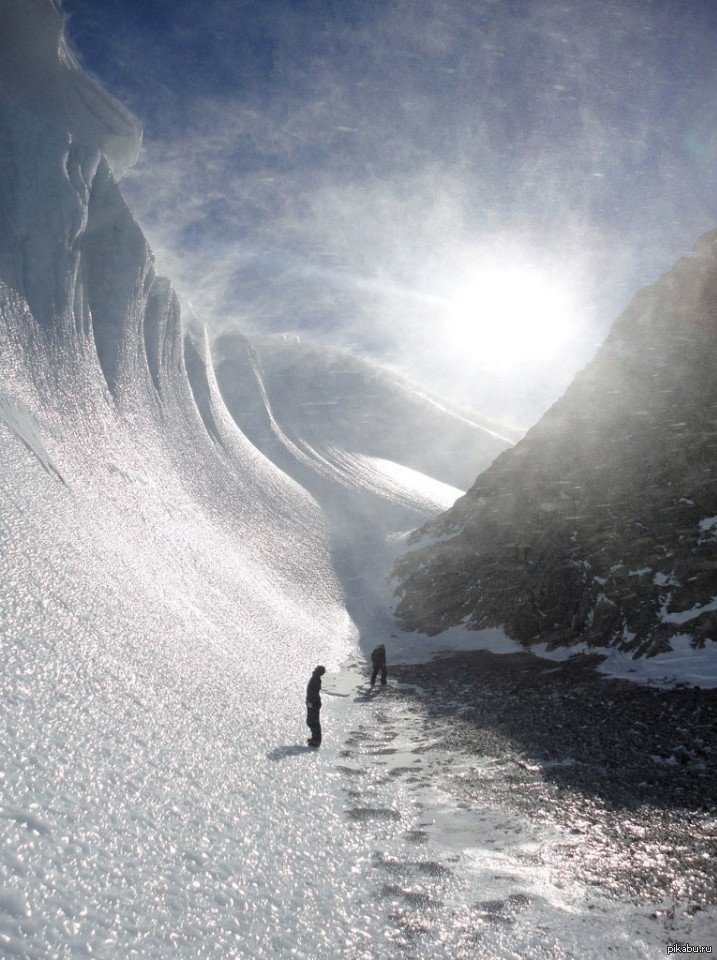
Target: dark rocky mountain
(600, 526)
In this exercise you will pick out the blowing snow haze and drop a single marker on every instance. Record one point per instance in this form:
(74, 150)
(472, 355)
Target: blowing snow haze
(384, 176)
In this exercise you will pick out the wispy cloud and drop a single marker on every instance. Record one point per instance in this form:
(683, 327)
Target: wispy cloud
(329, 168)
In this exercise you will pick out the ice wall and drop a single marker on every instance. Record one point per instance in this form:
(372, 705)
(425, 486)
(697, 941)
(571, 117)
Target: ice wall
(39, 72)
(165, 587)
(92, 341)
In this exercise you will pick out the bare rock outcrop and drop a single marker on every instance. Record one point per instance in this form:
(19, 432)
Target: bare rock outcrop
(600, 526)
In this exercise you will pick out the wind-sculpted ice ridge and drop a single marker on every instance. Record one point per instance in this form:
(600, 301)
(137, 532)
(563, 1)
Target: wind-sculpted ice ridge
(166, 589)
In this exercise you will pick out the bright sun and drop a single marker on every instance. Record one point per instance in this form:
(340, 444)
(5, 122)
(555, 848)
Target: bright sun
(509, 316)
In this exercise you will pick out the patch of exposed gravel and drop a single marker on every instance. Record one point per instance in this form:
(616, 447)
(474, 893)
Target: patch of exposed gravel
(628, 772)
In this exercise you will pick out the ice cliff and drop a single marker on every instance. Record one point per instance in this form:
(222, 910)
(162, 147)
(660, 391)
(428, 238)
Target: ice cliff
(164, 585)
(94, 352)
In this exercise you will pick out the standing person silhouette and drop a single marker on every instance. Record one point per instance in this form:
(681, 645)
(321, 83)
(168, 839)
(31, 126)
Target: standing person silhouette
(378, 663)
(313, 706)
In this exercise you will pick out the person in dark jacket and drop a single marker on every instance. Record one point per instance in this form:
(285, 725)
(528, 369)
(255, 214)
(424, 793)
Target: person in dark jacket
(378, 663)
(313, 706)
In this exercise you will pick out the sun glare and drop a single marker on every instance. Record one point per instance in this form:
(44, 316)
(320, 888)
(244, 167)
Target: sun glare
(509, 316)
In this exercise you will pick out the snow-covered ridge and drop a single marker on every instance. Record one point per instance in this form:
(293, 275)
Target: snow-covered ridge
(328, 399)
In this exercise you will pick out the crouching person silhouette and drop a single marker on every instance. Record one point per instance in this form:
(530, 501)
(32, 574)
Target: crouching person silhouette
(313, 706)
(378, 664)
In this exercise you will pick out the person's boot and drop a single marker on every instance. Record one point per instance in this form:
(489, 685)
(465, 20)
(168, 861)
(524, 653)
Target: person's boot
(313, 743)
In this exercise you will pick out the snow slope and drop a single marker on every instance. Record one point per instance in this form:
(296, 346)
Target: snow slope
(166, 588)
(328, 399)
(155, 578)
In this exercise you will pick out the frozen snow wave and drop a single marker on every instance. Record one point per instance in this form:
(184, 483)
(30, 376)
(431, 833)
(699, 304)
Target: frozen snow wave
(39, 71)
(166, 587)
(329, 399)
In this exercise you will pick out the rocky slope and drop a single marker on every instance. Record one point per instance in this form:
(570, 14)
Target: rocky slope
(628, 771)
(600, 526)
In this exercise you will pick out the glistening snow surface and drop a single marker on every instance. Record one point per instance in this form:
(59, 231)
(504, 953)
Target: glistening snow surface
(166, 590)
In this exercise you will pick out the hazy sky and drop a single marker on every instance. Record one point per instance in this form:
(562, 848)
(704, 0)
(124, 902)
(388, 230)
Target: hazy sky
(384, 175)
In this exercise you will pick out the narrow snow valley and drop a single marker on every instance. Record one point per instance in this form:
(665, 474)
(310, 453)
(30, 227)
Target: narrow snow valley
(185, 532)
